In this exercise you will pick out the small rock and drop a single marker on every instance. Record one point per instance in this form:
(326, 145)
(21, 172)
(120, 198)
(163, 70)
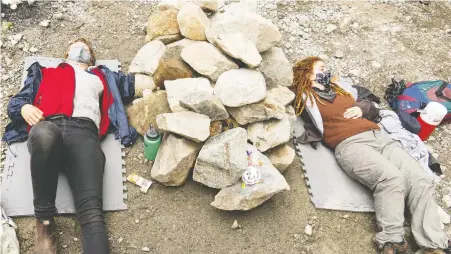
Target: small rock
(180, 88)
(65, 246)
(281, 94)
(146, 249)
(297, 236)
(175, 159)
(172, 66)
(205, 103)
(431, 138)
(330, 28)
(162, 23)
(136, 221)
(308, 230)
(44, 23)
(354, 72)
(144, 111)
(447, 200)
(193, 22)
(376, 64)
(282, 157)
(276, 68)
(58, 16)
(211, 63)
(188, 124)
(142, 82)
(267, 109)
(120, 239)
(239, 47)
(444, 217)
(147, 59)
(271, 133)
(346, 216)
(76, 239)
(235, 225)
(240, 87)
(256, 28)
(33, 50)
(339, 54)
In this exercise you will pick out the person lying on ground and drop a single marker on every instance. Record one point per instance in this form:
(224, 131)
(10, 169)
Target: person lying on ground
(370, 157)
(64, 112)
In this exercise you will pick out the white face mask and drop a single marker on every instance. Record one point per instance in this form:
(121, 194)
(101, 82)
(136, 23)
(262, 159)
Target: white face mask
(79, 54)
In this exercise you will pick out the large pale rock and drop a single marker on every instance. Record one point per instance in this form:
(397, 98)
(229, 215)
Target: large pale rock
(236, 197)
(259, 30)
(222, 160)
(144, 111)
(143, 82)
(205, 103)
(180, 88)
(166, 39)
(282, 157)
(181, 44)
(268, 134)
(162, 23)
(176, 157)
(281, 94)
(207, 60)
(206, 5)
(276, 68)
(257, 112)
(240, 87)
(188, 124)
(238, 46)
(172, 67)
(147, 59)
(193, 22)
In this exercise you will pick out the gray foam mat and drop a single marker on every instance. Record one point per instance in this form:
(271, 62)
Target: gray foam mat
(16, 189)
(329, 186)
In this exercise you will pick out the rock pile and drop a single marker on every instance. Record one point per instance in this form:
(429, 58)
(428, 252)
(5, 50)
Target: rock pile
(212, 84)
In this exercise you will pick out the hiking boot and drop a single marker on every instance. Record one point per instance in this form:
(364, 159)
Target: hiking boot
(397, 248)
(45, 237)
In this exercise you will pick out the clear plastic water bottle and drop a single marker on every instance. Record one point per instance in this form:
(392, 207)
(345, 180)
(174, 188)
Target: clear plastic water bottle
(152, 141)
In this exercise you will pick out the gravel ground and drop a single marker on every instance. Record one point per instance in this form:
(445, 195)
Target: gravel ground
(371, 42)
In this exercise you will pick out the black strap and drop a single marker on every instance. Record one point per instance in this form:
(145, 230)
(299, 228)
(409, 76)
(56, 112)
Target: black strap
(439, 92)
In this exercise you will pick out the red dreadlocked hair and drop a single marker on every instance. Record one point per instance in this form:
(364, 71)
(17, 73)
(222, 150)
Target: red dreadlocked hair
(302, 71)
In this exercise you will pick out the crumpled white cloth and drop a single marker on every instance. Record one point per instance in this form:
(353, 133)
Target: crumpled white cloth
(411, 143)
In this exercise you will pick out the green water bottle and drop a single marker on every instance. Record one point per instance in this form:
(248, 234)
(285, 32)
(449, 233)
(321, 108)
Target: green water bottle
(152, 140)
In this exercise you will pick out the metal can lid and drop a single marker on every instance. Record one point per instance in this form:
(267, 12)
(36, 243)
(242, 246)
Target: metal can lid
(251, 176)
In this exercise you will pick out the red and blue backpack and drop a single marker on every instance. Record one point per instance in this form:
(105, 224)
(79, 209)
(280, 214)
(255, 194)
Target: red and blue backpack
(413, 96)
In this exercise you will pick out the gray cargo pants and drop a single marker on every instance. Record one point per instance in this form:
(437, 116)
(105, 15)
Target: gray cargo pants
(378, 162)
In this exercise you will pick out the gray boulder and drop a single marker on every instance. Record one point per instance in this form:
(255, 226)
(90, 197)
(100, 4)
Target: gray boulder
(276, 68)
(188, 124)
(222, 160)
(237, 197)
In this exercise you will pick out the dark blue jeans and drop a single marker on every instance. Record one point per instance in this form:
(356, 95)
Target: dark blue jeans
(72, 146)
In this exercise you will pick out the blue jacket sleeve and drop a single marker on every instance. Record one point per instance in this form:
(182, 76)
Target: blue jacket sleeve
(27, 93)
(126, 85)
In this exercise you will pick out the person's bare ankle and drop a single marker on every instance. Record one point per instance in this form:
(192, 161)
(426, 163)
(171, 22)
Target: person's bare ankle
(45, 237)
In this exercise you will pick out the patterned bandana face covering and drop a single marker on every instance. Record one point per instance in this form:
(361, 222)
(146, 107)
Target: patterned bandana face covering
(328, 93)
(79, 54)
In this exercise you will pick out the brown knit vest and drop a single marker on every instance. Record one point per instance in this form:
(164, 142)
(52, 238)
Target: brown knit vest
(336, 127)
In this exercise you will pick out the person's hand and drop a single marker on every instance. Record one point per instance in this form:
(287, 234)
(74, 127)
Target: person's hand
(31, 114)
(353, 113)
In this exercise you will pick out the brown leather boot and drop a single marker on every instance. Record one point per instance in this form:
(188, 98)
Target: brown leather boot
(397, 248)
(45, 237)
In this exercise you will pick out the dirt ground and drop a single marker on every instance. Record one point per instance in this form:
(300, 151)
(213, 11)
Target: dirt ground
(378, 39)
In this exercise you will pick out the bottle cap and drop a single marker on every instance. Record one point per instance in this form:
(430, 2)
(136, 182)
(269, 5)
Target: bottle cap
(152, 133)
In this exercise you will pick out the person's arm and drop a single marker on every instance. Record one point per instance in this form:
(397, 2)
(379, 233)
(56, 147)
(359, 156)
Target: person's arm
(369, 110)
(26, 94)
